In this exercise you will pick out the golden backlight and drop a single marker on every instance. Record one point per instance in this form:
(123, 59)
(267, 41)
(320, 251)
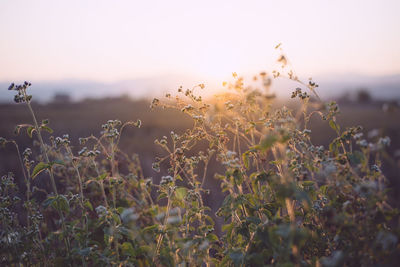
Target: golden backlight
(110, 41)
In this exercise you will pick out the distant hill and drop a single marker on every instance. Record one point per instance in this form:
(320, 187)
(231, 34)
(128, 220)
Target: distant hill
(44, 91)
(380, 87)
(331, 86)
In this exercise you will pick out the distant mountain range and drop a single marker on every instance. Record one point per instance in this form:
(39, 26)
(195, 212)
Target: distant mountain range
(78, 89)
(380, 87)
(330, 86)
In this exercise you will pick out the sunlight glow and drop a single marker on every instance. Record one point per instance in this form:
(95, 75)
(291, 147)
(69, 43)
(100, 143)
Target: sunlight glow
(104, 41)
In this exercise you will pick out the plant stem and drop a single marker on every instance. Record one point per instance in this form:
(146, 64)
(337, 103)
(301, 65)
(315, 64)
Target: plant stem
(50, 171)
(27, 181)
(80, 199)
(42, 145)
(114, 192)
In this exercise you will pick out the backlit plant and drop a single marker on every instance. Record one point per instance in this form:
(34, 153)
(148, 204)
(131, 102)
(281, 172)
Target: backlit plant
(287, 201)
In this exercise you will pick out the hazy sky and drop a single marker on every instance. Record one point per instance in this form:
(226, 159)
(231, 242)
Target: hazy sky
(112, 40)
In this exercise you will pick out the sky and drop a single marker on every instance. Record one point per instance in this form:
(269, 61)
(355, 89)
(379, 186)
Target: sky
(115, 40)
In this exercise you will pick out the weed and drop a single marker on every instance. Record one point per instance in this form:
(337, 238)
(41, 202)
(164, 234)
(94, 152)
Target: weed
(287, 201)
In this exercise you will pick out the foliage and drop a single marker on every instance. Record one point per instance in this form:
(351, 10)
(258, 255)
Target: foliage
(288, 201)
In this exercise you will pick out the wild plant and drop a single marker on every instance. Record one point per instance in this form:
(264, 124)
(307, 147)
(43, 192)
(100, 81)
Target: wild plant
(287, 201)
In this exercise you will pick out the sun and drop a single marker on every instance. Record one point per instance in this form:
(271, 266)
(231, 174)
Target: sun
(217, 63)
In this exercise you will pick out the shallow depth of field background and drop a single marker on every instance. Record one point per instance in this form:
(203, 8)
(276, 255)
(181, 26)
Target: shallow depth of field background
(94, 60)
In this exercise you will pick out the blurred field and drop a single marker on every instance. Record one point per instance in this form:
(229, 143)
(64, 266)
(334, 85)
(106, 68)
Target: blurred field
(371, 117)
(85, 118)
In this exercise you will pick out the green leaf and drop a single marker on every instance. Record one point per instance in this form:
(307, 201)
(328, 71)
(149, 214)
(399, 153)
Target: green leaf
(30, 131)
(238, 177)
(120, 210)
(101, 177)
(181, 192)
(227, 227)
(85, 251)
(61, 203)
(129, 233)
(308, 183)
(56, 162)
(265, 176)
(245, 158)
(212, 237)
(150, 228)
(178, 177)
(41, 166)
(161, 196)
(127, 249)
(254, 220)
(356, 157)
(46, 128)
(144, 249)
(268, 142)
(334, 146)
(236, 257)
(324, 189)
(334, 126)
(88, 205)
(49, 201)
